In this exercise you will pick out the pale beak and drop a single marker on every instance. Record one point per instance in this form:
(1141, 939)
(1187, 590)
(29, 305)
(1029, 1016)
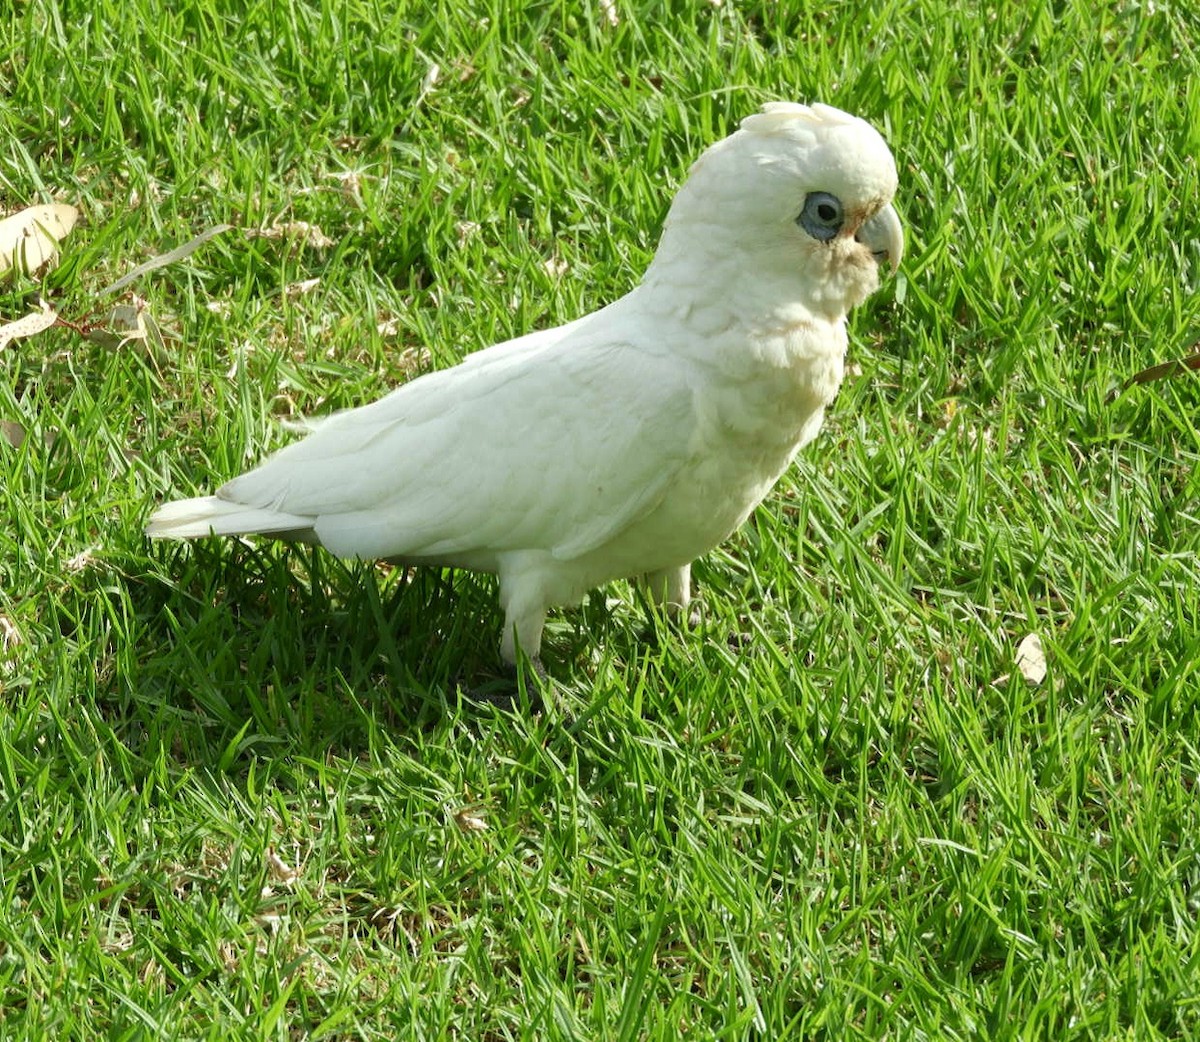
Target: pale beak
(883, 236)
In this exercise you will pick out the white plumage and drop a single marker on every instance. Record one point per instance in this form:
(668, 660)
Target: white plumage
(632, 440)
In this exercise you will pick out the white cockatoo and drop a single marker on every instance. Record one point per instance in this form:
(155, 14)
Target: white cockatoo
(628, 442)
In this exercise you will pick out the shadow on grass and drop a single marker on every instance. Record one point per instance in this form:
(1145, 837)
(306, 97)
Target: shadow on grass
(219, 656)
(295, 644)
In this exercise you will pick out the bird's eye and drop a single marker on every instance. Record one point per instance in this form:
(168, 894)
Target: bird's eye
(822, 215)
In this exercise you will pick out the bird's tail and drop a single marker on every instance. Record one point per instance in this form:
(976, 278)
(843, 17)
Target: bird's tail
(211, 515)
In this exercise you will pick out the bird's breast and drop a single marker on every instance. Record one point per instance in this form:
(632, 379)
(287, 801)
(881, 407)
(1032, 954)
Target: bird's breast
(750, 416)
(771, 395)
(749, 426)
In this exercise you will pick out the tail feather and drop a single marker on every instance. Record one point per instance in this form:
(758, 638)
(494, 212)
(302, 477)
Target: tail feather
(211, 515)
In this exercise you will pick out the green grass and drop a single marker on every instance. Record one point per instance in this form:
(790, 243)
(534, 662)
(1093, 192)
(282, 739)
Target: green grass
(834, 809)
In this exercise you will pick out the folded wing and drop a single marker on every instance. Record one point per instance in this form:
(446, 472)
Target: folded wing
(554, 445)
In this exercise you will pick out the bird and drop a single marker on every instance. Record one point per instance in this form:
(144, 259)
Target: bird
(629, 442)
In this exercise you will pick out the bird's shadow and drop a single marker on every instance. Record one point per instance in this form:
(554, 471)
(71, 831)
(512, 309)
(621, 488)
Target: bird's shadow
(293, 642)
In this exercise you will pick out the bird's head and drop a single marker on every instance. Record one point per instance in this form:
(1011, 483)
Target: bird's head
(796, 205)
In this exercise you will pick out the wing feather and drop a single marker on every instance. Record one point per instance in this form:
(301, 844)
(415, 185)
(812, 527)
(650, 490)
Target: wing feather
(551, 444)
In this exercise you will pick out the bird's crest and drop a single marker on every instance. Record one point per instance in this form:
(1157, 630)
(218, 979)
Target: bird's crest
(788, 117)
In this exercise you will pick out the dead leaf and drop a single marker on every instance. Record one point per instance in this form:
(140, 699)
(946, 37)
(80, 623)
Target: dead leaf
(10, 636)
(298, 289)
(609, 9)
(432, 75)
(131, 321)
(12, 432)
(154, 338)
(272, 922)
(414, 360)
(122, 324)
(163, 259)
(1031, 659)
(29, 239)
(465, 230)
(308, 234)
(556, 267)
(351, 186)
(470, 819)
(27, 325)
(81, 562)
(1163, 371)
(279, 870)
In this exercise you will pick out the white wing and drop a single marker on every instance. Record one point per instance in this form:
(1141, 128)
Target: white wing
(549, 442)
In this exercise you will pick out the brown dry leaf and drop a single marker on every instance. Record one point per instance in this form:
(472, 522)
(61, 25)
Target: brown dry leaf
(470, 819)
(272, 922)
(230, 956)
(122, 323)
(163, 259)
(12, 432)
(414, 360)
(1163, 371)
(29, 239)
(27, 325)
(279, 870)
(128, 322)
(432, 75)
(1031, 659)
(298, 289)
(465, 230)
(556, 267)
(308, 234)
(81, 562)
(351, 183)
(154, 338)
(10, 636)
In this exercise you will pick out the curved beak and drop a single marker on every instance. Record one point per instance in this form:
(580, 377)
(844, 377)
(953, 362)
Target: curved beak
(884, 236)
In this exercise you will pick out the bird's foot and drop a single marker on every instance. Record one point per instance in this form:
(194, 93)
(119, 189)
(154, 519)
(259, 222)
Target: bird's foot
(514, 688)
(679, 619)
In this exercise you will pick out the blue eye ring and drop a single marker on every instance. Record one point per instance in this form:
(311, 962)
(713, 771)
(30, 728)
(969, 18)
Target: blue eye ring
(822, 216)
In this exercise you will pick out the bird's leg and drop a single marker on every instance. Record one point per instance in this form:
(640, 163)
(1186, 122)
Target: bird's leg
(671, 590)
(524, 619)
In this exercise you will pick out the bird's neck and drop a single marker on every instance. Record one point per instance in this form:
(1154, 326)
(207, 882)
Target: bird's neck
(763, 284)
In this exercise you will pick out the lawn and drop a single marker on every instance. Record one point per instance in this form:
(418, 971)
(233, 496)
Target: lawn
(239, 794)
